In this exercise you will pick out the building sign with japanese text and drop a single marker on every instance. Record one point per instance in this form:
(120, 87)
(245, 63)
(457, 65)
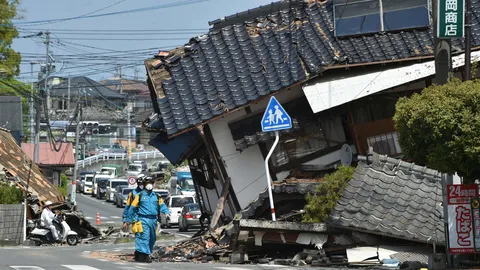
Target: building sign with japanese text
(450, 18)
(461, 228)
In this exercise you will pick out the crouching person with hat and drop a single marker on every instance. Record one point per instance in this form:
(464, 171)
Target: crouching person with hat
(143, 215)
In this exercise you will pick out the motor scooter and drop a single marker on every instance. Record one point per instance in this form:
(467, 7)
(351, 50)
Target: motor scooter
(41, 235)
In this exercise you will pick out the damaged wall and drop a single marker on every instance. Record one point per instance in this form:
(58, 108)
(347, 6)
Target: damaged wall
(246, 169)
(11, 224)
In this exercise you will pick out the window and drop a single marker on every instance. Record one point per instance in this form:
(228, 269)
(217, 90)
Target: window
(313, 136)
(356, 17)
(181, 201)
(125, 191)
(385, 144)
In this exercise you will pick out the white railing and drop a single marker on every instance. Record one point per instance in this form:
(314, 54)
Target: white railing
(118, 156)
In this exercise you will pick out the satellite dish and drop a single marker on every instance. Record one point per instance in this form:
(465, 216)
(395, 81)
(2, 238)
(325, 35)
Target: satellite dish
(346, 155)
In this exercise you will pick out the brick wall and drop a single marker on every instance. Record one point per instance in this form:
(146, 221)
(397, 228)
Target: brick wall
(11, 224)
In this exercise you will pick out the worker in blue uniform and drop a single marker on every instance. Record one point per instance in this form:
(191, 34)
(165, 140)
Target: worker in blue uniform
(130, 197)
(143, 214)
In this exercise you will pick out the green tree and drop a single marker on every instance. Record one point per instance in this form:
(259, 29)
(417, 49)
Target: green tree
(320, 205)
(9, 58)
(63, 188)
(440, 127)
(10, 194)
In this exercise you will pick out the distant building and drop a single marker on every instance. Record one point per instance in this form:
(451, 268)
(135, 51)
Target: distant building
(52, 163)
(11, 116)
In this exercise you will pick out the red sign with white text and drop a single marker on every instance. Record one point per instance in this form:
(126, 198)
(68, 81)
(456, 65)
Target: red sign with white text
(460, 218)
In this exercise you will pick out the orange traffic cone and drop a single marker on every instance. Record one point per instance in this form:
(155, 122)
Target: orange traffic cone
(98, 218)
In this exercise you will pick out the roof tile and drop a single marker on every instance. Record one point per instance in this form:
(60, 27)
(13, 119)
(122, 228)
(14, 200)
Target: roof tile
(239, 62)
(385, 199)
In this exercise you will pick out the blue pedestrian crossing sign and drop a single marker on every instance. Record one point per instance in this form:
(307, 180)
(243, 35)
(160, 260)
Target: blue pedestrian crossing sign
(275, 117)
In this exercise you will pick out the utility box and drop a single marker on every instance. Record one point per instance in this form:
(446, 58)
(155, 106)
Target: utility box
(437, 261)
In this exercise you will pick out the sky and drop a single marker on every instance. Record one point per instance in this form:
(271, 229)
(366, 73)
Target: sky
(94, 46)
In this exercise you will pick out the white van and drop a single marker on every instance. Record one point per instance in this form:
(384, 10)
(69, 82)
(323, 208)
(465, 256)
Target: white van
(112, 184)
(88, 184)
(175, 204)
(99, 175)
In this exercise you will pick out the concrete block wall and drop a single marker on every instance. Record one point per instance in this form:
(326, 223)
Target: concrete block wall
(11, 224)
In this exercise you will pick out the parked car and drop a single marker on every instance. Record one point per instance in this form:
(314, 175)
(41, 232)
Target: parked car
(143, 162)
(80, 180)
(175, 203)
(189, 217)
(102, 189)
(87, 185)
(99, 176)
(163, 193)
(121, 196)
(159, 166)
(112, 148)
(111, 185)
(115, 170)
(135, 169)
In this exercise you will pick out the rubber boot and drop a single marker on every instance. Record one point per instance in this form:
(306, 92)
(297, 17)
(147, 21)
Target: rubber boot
(147, 259)
(136, 256)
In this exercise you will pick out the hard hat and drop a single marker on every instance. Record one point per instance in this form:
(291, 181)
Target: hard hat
(141, 175)
(140, 180)
(149, 179)
(48, 203)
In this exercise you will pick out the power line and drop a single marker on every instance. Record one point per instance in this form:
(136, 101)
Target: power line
(151, 8)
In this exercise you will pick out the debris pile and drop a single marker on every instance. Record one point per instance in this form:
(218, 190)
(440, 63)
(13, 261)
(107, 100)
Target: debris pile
(208, 247)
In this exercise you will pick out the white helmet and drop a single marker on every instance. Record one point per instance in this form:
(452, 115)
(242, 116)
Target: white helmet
(48, 203)
(140, 175)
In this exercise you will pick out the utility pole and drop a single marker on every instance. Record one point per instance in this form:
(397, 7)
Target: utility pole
(78, 115)
(47, 70)
(129, 134)
(468, 40)
(442, 51)
(68, 97)
(121, 76)
(32, 117)
(38, 109)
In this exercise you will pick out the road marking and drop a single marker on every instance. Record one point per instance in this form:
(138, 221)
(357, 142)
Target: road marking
(88, 217)
(183, 235)
(27, 267)
(109, 222)
(115, 217)
(80, 267)
(231, 268)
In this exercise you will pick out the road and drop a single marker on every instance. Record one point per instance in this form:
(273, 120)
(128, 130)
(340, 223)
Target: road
(81, 258)
(109, 213)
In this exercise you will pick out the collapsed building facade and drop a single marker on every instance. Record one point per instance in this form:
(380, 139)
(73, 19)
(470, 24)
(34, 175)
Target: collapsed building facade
(337, 80)
(340, 90)
(20, 170)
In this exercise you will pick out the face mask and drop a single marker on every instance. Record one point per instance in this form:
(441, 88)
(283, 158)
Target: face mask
(140, 186)
(149, 187)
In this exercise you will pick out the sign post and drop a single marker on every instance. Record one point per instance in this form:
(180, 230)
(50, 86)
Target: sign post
(131, 182)
(275, 118)
(450, 18)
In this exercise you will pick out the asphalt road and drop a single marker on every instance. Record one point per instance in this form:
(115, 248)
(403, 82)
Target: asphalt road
(80, 258)
(110, 214)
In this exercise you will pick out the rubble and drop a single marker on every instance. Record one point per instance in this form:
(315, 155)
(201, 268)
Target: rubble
(206, 248)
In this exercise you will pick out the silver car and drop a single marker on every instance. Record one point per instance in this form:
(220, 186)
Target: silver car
(189, 217)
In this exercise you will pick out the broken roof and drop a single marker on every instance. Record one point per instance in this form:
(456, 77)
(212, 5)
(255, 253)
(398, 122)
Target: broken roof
(47, 156)
(256, 53)
(392, 198)
(17, 164)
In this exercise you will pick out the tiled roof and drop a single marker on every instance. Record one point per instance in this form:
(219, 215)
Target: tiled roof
(48, 156)
(17, 163)
(253, 57)
(392, 198)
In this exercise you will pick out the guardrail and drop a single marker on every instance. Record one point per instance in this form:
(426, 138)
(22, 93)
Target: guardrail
(118, 156)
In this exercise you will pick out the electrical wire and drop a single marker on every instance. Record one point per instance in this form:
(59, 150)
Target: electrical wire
(151, 8)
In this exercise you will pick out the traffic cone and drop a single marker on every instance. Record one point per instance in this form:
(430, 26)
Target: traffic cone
(98, 218)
